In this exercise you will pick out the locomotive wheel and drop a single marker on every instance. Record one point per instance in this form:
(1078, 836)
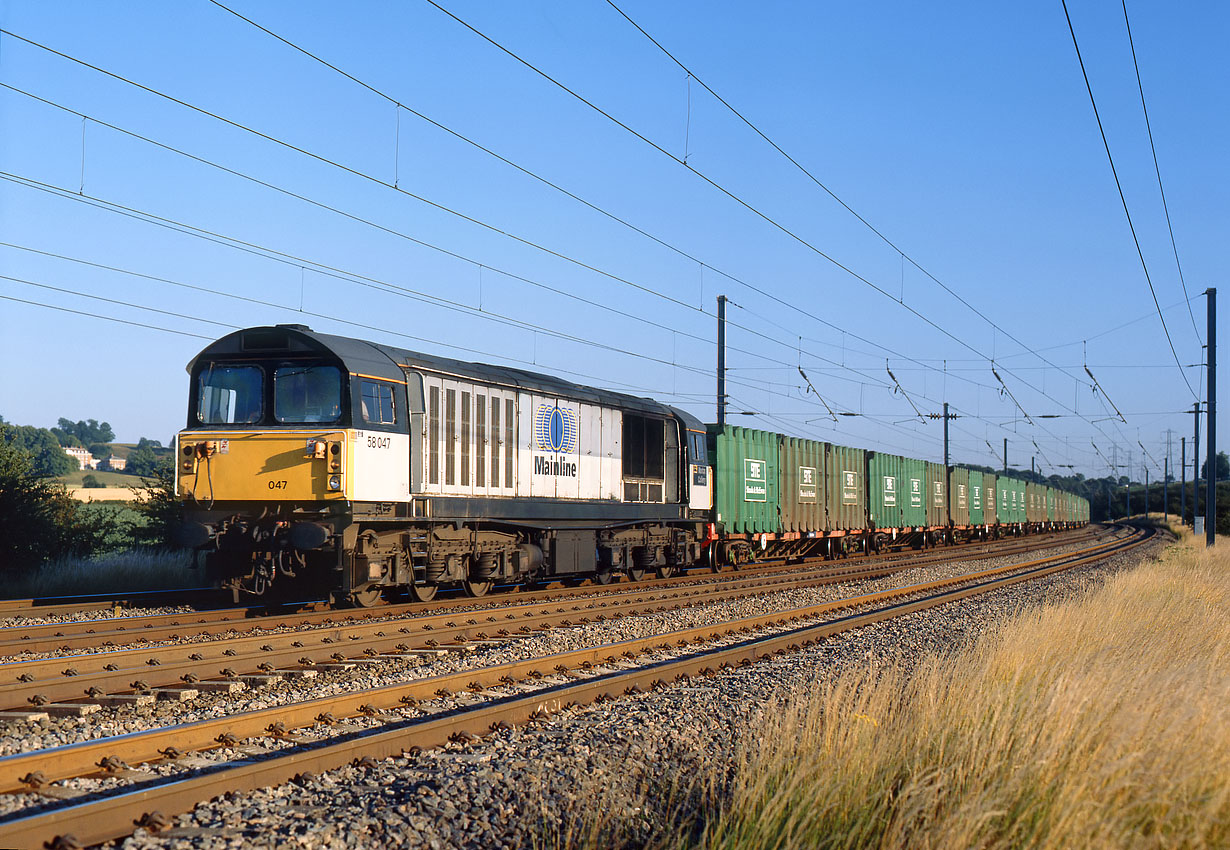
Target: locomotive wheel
(365, 598)
(423, 592)
(477, 587)
(636, 573)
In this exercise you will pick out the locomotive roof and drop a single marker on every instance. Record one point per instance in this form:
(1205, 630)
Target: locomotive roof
(383, 361)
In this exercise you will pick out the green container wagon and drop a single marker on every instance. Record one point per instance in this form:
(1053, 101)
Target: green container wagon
(958, 495)
(914, 506)
(1010, 512)
(975, 498)
(802, 494)
(746, 471)
(1035, 510)
(936, 485)
(1051, 508)
(844, 473)
(884, 490)
(1017, 497)
(990, 499)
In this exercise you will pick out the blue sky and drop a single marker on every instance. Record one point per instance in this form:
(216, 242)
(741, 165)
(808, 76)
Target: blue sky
(961, 132)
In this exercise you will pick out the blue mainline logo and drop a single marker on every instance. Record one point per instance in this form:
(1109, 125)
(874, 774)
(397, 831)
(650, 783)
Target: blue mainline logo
(555, 429)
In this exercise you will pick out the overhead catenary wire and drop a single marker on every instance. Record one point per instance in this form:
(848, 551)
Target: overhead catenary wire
(726, 192)
(391, 231)
(393, 186)
(1158, 171)
(384, 183)
(332, 209)
(101, 317)
(905, 257)
(334, 317)
(791, 346)
(1123, 200)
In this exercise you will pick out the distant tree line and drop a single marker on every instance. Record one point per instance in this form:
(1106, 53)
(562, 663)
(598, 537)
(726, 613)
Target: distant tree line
(46, 447)
(85, 433)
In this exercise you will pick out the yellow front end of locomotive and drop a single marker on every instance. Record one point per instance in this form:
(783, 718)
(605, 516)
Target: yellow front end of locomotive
(266, 466)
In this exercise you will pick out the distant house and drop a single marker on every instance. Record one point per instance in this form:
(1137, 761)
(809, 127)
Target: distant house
(84, 459)
(112, 463)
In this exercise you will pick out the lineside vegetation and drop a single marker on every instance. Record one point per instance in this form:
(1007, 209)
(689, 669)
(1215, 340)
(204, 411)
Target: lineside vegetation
(1099, 722)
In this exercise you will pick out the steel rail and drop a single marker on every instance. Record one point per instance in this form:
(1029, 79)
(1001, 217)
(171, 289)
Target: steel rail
(82, 758)
(17, 607)
(49, 637)
(113, 816)
(100, 676)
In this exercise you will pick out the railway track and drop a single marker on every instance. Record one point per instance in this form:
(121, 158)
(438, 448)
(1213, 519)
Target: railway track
(309, 736)
(211, 657)
(51, 606)
(34, 637)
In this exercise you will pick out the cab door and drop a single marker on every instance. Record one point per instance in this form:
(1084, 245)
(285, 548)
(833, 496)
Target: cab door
(700, 474)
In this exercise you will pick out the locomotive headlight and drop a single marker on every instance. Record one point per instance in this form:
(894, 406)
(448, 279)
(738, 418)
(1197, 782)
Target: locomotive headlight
(335, 482)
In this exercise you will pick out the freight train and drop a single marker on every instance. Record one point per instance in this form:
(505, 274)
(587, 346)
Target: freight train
(318, 463)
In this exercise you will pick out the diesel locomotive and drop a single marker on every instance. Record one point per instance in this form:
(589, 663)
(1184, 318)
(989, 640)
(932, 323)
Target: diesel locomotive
(317, 463)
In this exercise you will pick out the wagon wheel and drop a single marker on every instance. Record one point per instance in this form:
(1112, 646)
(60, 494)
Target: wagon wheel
(477, 587)
(603, 577)
(423, 592)
(664, 571)
(365, 598)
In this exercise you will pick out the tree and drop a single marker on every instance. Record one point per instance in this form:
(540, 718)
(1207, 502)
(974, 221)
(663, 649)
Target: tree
(144, 461)
(84, 432)
(100, 450)
(47, 458)
(1223, 468)
(146, 443)
(91, 481)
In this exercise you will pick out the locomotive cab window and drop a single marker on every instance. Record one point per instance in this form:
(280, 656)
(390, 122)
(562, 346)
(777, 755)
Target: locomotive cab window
(307, 394)
(377, 404)
(230, 395)
(696, 448)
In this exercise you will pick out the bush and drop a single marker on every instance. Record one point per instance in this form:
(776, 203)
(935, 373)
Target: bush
(39, 520)
(159, 507)
(91, 481)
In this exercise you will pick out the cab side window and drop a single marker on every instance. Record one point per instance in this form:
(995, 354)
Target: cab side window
(696, 448)
(377, 404)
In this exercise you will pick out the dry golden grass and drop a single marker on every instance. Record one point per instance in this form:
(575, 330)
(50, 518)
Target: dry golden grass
(1103, 722)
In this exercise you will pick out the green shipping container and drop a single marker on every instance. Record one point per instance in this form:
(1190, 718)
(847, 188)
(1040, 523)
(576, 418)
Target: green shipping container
(1035, 509)
(894, 491)
(844, 480)
(914, 507)
(975, 498)
(746, 473)
(958, 495)
(936, 485)
(990, 499)
(802, 493)
(1017, 499)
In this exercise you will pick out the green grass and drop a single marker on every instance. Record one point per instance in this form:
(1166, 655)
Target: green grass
(108, 479)
(116, 572)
